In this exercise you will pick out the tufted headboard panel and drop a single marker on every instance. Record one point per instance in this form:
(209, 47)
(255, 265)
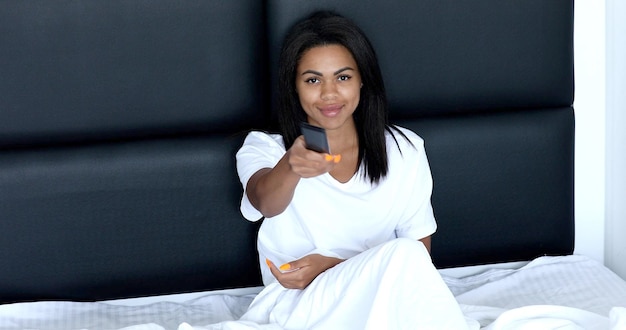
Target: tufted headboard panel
(119, 122)
(97, 70)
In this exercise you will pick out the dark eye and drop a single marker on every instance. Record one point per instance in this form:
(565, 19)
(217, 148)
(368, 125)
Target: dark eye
(344, 77)
(312, 80)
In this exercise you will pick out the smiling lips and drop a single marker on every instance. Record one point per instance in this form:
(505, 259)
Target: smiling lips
(330, 110)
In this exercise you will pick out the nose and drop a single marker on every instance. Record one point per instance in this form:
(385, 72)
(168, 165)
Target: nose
(328, 90)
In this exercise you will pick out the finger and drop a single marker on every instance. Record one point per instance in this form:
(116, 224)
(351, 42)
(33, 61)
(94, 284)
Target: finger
(295, 278)
(310, 167)
(272, 268)
(332, 158)
(300, 144)
(296, 264)
(289, 267)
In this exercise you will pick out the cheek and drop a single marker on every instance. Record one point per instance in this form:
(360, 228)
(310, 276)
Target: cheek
(353, 94)
(305, 97)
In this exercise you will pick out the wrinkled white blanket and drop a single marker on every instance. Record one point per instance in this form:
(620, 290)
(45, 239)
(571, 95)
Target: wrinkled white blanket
(391, 286)
(571, 292)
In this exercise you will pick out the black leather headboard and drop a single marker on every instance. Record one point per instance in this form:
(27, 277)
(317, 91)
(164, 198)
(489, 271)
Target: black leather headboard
(119, 122)
(444, 57)
(95, 70)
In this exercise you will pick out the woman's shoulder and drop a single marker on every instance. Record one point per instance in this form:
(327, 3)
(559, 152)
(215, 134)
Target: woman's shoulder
(262, 138)
(402, 137)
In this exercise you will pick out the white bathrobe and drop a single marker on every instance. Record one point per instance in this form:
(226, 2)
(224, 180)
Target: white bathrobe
(388, 280)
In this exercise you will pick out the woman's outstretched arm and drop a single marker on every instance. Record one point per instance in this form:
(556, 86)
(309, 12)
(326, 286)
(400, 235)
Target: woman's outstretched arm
(270, 190)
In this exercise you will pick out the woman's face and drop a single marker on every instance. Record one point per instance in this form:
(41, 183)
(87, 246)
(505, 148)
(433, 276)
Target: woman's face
(328, 84)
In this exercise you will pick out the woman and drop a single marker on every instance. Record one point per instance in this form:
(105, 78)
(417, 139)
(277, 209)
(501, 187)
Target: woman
(346, 236)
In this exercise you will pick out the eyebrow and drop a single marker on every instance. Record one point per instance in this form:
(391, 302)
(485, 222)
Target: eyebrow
(334, 73)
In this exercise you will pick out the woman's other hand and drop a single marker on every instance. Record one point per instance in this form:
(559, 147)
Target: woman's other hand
(300, 273)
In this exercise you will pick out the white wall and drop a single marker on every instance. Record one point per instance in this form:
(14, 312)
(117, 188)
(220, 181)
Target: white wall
(615, 235)
(600, 107)
(590, 111)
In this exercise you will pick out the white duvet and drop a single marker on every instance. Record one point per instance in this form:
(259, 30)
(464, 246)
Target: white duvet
(571, 292)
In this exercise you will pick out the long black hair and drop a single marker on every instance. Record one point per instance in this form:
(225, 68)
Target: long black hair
(371, 115)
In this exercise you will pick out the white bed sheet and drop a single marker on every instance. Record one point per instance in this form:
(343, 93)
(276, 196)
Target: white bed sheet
(570, 292)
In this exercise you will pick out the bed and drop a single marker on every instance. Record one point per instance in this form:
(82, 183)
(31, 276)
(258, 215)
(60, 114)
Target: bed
(564, 292)
(119, 122)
